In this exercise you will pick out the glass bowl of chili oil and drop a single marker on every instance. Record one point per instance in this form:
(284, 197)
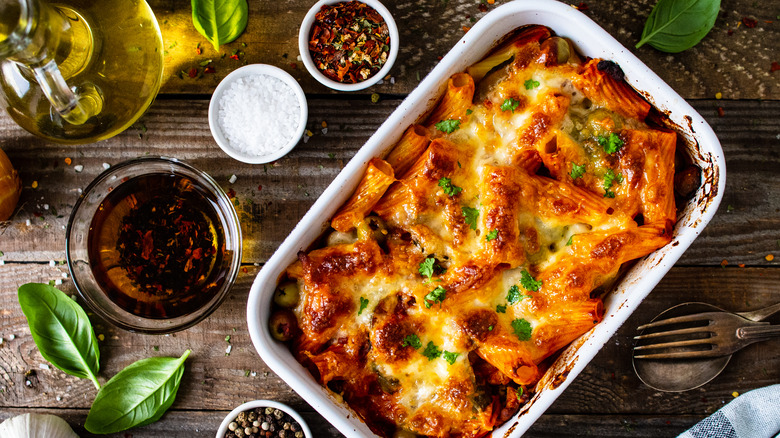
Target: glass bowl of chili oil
(348, 45)
(153, 245)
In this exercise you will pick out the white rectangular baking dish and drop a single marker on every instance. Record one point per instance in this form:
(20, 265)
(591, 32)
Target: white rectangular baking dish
(591, 40)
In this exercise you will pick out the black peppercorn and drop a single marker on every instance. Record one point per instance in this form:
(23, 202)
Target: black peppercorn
(264, 422)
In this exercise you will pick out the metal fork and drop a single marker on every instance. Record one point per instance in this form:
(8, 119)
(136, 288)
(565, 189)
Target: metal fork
(714, 334)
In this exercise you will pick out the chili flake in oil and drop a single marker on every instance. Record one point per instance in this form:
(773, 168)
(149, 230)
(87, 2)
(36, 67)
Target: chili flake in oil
(349, 41)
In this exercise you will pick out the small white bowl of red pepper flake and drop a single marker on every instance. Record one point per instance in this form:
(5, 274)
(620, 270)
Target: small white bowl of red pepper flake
(348, 45)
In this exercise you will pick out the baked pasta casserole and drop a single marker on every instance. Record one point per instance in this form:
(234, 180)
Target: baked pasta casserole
(482, 243)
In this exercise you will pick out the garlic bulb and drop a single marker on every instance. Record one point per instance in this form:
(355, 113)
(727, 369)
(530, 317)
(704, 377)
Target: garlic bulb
(36, 426)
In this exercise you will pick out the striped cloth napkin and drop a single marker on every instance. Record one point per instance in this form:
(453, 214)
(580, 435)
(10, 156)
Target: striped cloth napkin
(754, 414)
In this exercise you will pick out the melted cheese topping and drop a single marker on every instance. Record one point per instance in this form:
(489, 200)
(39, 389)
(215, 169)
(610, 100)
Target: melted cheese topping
(442, 352)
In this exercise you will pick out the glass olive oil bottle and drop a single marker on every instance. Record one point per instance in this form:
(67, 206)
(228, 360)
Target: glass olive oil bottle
(78, 71)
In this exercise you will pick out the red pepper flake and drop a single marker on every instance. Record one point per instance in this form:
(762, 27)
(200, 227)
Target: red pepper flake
(741, 265)
(466, 29)
(721, 113)
(482, 7)
(235, 56)
(775, 67)
(193, 72)
(231, 193)
(749, 22)
(209, 69)
(724, 263)
(730, 32)
(293, 65)
(582, 6)
(244, 270)
(260, 187)
(349, 41)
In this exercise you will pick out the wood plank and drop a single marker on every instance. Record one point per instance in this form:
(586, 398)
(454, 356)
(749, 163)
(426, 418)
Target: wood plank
(607, 386)
(272, 198)
(182, 424)
(430, 28)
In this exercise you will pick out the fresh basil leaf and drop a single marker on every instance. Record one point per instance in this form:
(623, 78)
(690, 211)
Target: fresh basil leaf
(677, 25)
(61, 330)
(220, 21)
(138, 395)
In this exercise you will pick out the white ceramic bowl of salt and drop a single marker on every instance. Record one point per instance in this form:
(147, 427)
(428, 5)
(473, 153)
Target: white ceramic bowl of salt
(258, 113)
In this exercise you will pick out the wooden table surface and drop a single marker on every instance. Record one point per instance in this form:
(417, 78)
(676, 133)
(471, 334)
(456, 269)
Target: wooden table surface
(729, 265)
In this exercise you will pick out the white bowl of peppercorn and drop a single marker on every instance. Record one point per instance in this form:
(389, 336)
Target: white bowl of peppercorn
(263, 419)
(348, 45)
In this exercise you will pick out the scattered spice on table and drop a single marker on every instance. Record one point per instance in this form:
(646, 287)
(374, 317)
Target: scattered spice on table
(349, 41)
(749, 22)
(264, 422)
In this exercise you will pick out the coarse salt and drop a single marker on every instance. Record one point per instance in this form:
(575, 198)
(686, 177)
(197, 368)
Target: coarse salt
(259, 114)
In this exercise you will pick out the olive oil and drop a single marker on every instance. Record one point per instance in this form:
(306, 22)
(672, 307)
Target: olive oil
(156, 246)
(100, 62)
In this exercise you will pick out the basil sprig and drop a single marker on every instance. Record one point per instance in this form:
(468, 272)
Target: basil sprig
(220, 21)
(677, 25)
(61, 330)
(139, 395)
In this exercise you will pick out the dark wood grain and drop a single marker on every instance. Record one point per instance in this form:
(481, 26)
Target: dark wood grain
(272, 198)
(605, 400)
(733, 59)
(205, 424)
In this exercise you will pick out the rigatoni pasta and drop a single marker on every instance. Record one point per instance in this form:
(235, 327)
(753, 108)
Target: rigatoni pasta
(481, 245)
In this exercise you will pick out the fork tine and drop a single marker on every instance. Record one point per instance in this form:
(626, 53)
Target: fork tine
(672, 333)
(696, 317)
(682, 355)
(688, 343)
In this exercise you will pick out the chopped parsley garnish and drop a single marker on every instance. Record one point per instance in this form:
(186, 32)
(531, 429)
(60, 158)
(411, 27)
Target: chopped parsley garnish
(519, 394)
(412, 341)
(449, 188)
(449, 126)
(470, 215)
(426, 267)
(531, 84)
(522, 329)
(450, 357)
(529, 283)
(363, 305)
(431, 351)
(611, 144)
(609, 178)
(490, 328)
(491, 235)
(570, 241)
(435, 296)
(514, 294)
(577, 171)
(501, 308)
(510, 104)
(469, 111)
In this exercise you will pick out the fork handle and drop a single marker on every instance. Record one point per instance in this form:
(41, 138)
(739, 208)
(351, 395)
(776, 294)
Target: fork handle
(758, 332)
(761, 314)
